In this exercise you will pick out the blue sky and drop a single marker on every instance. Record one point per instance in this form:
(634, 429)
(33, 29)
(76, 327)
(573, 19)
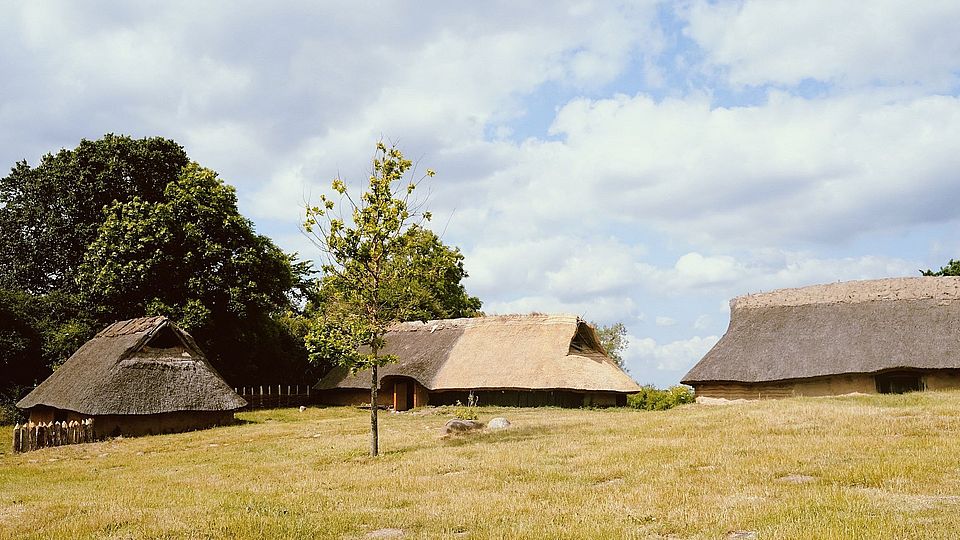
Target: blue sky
(641, 162)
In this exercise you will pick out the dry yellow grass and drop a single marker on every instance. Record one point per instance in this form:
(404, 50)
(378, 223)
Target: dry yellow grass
(853, 467)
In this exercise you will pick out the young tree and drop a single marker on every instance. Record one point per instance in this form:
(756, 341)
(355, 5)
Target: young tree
(363, 242)
(614, 341)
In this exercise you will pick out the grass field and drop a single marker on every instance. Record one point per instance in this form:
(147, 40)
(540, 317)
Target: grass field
(851, 467)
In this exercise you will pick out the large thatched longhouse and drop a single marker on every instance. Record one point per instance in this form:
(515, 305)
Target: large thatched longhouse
(136, 377)
(514, 360)
(886, 336)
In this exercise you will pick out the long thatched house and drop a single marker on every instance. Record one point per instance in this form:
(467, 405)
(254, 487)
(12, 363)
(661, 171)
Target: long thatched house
(135, 377)
(516, 360)
(887, 336)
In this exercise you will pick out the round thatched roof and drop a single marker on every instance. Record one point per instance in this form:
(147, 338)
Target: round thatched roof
(526, 352)
(139, 366)
(851, 327)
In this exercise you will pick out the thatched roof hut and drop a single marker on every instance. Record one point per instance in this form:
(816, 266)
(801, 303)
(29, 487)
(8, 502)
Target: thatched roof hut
(886, 335)
(136, 376)
(512, 360)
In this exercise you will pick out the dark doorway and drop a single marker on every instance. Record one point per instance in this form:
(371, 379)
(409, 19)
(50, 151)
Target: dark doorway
(403, 391)
(899, 382)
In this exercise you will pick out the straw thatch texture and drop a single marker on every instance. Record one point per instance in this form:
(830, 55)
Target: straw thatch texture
(842, 328)
(136, 367)
(524, 352)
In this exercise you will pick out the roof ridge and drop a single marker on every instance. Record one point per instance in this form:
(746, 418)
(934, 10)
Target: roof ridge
(465, 322)
(942, 288)
(139, 325)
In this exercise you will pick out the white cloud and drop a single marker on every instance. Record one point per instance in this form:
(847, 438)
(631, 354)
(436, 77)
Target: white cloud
(645, 354)
(693, 268)
(587, 276)
(756, 270)
(663, 320)
(446, 89)
(791, 168)
(702, 322)
(893, 42)
(602, 310)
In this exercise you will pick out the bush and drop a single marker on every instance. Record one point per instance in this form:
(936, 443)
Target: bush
(651, 398)
(465, 413)
(9, 413)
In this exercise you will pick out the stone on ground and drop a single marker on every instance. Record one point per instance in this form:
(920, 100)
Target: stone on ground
(498, 423)
(386, 533)
(461, 426)
(797, 478)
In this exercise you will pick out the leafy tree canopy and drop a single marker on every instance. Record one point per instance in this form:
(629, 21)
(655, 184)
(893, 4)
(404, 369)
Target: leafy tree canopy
(614, 341)
(50, 213)
(951, 269)
(431, 284)
(188, 255)
(367, 280)
(193, 257)
(119, 228)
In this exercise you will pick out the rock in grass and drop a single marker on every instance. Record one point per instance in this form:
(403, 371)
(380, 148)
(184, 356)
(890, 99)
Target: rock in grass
(461, 426)
(498, 423)
(386, 533)
(797, 478)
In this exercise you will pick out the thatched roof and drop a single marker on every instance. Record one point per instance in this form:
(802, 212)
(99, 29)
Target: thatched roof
(526, 352)
(851, 327)
(140, 366)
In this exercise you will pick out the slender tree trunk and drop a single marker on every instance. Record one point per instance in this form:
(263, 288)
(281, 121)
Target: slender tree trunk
(374, 434)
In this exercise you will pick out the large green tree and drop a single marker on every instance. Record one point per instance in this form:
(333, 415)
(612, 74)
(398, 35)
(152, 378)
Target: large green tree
(373, 252)
(50, 213)
(121, 227)
(193, 257)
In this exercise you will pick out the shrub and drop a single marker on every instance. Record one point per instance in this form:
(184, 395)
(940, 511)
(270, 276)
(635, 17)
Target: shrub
(651, 398)
(9, 413)
(465, 413)
(468, 411)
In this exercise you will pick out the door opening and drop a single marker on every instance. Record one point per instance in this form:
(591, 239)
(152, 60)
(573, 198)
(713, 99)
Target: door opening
(899, 382)
(403, 395)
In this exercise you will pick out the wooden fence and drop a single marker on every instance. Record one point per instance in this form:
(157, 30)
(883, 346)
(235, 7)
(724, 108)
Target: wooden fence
(32, 436)
(265, 397)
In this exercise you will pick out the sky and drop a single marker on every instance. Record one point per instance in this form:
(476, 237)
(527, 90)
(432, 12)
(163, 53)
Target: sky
(635, 162)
